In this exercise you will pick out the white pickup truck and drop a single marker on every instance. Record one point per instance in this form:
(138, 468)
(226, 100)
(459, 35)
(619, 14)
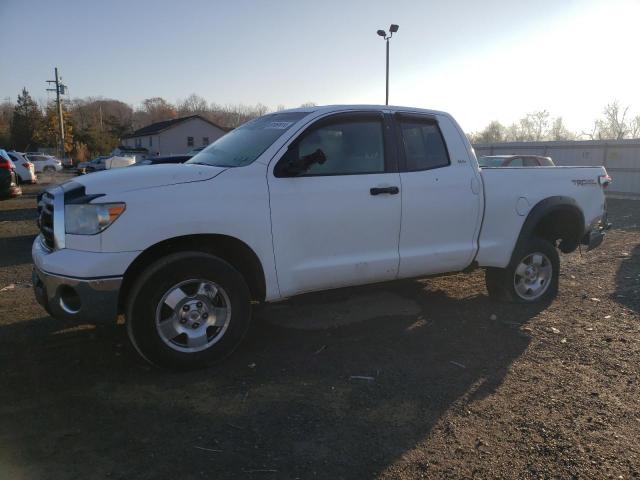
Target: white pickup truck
(300, 201)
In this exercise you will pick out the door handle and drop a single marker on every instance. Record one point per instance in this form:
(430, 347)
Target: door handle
(381, 190)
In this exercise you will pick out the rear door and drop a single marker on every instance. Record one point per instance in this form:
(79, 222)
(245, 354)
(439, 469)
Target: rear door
(441, 197)
(335, 205)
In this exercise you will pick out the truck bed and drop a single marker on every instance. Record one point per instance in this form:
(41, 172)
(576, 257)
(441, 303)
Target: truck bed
(511, 192)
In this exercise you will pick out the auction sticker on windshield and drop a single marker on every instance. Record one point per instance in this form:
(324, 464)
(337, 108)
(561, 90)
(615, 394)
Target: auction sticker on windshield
(278, 125)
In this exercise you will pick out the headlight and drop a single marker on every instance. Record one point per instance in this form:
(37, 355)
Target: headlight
(89, 219)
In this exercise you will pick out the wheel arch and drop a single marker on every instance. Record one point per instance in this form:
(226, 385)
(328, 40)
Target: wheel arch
(231, 249)
(555, 218)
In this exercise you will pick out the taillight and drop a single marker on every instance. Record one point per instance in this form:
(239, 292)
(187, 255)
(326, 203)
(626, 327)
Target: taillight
(4, 165)
(604, 180)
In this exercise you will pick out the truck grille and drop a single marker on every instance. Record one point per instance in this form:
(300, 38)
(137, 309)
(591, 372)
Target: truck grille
(45, 218)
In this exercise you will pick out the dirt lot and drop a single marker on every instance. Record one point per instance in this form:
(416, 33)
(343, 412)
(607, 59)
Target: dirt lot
(462, 387)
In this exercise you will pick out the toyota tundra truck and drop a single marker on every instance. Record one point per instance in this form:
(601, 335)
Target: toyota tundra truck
(300, 201)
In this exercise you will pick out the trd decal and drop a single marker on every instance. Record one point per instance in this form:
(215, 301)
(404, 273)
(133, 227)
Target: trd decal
(583, 182)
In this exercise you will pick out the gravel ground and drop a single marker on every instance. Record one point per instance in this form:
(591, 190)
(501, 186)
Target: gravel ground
(452, 385)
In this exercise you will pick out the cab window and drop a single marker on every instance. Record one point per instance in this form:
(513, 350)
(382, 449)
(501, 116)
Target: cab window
(424, 147)
(346, 145)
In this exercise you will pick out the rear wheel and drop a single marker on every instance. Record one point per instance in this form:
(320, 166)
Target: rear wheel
(188, 310)
(532, 275)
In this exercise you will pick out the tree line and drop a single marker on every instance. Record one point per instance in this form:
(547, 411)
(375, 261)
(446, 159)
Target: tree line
(94, 126)
(615, 123)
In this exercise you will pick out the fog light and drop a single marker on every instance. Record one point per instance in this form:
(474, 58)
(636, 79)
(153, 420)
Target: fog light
(69, 299)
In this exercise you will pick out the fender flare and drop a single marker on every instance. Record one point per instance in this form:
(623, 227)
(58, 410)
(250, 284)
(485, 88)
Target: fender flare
(548, 206)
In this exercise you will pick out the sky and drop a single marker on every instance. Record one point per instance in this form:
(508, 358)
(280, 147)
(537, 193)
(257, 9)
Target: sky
(479, 60)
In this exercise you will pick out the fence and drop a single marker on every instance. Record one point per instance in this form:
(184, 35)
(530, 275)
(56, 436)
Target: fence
(621, 158)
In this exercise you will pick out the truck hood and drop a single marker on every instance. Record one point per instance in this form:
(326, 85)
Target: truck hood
(139, 177)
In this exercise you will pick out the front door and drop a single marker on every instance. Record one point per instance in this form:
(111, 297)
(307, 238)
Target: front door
(335, 205)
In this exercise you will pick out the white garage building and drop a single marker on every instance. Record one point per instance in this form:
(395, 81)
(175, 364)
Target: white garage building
(174, 137)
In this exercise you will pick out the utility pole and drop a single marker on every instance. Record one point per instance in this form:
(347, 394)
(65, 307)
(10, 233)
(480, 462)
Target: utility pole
(59, 89)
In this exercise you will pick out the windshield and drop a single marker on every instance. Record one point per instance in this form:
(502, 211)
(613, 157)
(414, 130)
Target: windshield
(243, 145)
(491, 161)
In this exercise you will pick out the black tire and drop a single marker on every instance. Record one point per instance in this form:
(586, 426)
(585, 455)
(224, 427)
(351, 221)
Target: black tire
(49, 170)
(158, 279)
(501, 282)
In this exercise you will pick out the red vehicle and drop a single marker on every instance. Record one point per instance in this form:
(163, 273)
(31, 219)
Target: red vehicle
(489, 161)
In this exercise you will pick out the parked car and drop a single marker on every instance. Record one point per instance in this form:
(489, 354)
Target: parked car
(44, 163)
(104, 163)
(299, 201)
(92, 165)
(161, 160)
(8, 177)
(491, 161)
(24, 168)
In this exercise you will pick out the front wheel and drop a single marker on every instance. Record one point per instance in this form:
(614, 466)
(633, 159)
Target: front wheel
(532, 275)
(188, 310)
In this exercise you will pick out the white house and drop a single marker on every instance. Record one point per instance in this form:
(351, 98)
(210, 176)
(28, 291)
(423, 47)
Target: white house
(174, 137)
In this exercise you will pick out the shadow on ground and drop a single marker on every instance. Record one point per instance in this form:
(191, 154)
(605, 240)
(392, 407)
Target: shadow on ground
(76, 404)
(18, 215)
(628, 280)
(15, 250)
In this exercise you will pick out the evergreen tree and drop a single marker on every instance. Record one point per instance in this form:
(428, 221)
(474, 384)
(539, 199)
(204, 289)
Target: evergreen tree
(25, 121)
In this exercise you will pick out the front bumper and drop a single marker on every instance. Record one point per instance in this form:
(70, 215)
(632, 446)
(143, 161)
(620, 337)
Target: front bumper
(77, 299)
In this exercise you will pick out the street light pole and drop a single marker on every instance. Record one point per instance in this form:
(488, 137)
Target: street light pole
(392, 29)
(386, 98)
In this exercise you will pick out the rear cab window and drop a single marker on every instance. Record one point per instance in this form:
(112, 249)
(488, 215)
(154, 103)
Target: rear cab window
(422, 143)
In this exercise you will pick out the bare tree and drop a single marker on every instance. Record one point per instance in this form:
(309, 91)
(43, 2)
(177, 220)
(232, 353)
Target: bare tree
(493, 133)
(533, 127)
(634, 127)
(559, 131)
(155, 109)
(612, 125)
(232, 116)
(540, 122)
(193, 104)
